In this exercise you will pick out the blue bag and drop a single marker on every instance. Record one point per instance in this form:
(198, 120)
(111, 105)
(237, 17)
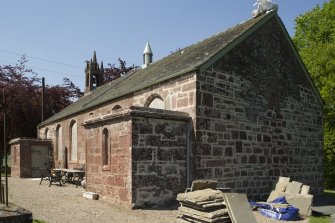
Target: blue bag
(280, 213)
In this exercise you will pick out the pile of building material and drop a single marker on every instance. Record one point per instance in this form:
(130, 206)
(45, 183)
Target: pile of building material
(295, 193)
(202, 206)
(210, 205)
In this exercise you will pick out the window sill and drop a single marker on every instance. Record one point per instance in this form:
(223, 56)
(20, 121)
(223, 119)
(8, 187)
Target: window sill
(106, 168)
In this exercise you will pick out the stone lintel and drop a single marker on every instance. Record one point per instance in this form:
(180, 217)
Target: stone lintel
(135, 111)
(27, 139)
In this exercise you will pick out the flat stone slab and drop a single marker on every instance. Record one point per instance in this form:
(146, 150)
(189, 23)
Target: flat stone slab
(210, 214)
(304, 190)
(293, 187)
(200, 196)
(206, 207)
(14, 213)
(281, 186)
(303, 202)
(284, 179)
(203, 184)
(238, 208)
(90, 195)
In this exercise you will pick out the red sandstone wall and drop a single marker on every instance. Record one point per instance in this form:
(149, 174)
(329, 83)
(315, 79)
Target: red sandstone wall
(178, 95)
(112, 182)
(15, 160)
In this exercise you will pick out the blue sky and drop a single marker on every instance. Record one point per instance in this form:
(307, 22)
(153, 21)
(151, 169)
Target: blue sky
(58, 36)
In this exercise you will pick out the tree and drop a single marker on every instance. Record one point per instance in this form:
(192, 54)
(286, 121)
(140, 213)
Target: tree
(112, 72)
(315, 41)
(23, 99)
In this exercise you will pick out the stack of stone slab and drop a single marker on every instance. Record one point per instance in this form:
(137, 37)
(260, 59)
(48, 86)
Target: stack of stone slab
(295, 193)
(202, 206)
(208, 205)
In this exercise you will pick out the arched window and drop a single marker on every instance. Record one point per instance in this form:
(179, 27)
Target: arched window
(59, 141)
(155, 101)
(73, 140)
(47, 134)
(105, 147)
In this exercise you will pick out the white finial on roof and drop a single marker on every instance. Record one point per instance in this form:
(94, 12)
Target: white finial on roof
(147, 55)
(147, 49)
(264, 6)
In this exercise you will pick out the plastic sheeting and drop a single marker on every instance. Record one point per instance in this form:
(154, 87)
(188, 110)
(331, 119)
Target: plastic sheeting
(270, 210)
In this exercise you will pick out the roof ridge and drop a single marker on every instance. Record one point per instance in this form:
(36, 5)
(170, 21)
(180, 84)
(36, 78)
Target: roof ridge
(193, 57)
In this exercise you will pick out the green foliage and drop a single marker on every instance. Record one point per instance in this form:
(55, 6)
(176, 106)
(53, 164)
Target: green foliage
(112, 72)
(23, 100)
(329, 157)
(330, 193)
(319, 219)
(315, 41)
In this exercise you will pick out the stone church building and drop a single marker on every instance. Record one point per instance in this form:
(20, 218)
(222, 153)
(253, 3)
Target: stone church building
(238, 107)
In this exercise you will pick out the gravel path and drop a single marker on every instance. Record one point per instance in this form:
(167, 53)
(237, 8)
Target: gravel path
(66, 204)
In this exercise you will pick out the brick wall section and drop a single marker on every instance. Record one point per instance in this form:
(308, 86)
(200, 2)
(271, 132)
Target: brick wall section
(258, 118)
(112, 182)
(159, 160)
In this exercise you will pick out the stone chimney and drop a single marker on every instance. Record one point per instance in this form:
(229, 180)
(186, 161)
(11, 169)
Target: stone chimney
(147, 56)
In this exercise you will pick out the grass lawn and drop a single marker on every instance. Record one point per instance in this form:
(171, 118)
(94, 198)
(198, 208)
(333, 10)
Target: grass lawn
(319, 219)
(330, 192)
(38, 221)
(322, 219)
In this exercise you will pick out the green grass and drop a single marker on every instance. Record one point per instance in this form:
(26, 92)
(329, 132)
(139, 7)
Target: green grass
(319, 219)
(330, 192)
(38, 221)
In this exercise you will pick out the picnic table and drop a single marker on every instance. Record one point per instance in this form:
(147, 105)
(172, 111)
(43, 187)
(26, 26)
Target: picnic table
(71, 175)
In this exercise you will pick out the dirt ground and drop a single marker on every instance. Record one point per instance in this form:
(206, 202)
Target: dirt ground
(67, 204)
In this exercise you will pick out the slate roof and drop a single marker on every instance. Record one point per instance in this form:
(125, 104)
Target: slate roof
(183, 61)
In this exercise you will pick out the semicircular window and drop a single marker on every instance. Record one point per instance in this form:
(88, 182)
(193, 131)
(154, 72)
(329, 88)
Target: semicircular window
(157, 103)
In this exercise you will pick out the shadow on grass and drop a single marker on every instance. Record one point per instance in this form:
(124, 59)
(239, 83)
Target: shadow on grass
(38, 221)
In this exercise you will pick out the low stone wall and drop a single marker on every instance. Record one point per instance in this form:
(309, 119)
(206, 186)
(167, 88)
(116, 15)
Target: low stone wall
(14, 213)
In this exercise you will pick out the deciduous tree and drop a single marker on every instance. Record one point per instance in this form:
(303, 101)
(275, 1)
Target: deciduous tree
(315, 41)
(112, 72)
(23, 99)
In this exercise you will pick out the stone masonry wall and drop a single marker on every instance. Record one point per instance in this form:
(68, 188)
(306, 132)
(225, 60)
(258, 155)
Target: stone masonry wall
(178, 94)
(258, 118)
(112, 182)
(159, 160)
(15, 160)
